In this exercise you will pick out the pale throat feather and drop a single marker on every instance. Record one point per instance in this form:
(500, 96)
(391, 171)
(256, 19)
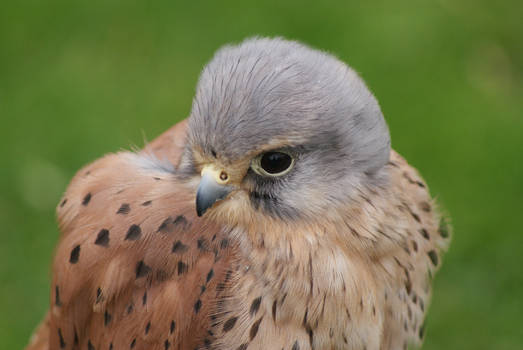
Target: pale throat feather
(311, 271)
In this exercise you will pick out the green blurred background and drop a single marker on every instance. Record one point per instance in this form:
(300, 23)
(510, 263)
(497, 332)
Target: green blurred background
(80, 79)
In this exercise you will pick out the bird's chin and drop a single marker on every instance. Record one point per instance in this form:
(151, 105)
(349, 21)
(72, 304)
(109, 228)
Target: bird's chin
(235, 210)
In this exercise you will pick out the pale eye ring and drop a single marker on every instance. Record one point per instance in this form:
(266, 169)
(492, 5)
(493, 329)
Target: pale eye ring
(273, 163)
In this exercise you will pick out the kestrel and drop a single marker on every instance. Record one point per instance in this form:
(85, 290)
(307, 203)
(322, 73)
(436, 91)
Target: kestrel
(275, 217)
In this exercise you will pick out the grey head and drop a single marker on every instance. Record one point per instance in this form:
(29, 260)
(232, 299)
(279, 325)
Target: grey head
(274, 95)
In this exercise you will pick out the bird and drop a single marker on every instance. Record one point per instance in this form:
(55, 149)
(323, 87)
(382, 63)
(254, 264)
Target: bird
(276, 216)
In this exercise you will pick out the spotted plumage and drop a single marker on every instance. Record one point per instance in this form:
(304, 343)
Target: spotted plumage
(276, 217)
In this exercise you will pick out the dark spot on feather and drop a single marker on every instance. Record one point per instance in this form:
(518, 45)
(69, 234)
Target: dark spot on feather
(354, 232)
(86, 199)
(142, 269)
(146, 203)
(107, 318)
(166, 225)
(443, 229)
(130, 308)
(75, 254)
(197, 306)
(202, 244)
(157, 178)
(344, 338)
(213, 152)
(433, 257)
(415, 216)
(57, 300)
(283, 299)
(111, 346)
(296, 346)
(147, 327)
(90, 345)
(75, 337)
(207, 342)
(173, 326)
(224, 243)
(309, 331)
(103, 238)
(274, 305)
(63, 203)
(133, 343)
(98, 295)
(161, 275)
(421, 331)
(133, 233)
(144, 298)
(255, 306)
(415, 246)
(425, 206)
(311, 281)
(243, 346)
(179, 247)
(254, 328)
(424, 233)
(209, 275)
(180, 220)
(202, 289)
(228, 275)
(61, 338)
(229, 324)
(408, 285)
(166, 344)
(124, 209)
(304, 322)
(182, 268)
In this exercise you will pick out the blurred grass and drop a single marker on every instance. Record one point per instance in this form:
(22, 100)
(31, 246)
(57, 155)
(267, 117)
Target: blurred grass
(79, 79)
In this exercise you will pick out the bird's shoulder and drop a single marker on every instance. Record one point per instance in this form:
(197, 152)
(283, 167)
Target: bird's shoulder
(134, 266)
(413, 219)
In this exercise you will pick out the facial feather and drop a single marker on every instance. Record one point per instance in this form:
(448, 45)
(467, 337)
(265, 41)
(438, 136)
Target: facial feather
(268, 94)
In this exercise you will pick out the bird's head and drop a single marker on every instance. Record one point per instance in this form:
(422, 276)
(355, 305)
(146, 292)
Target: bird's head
(280, 130)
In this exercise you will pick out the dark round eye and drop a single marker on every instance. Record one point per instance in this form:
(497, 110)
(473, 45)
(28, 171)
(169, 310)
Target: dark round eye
(275, 163)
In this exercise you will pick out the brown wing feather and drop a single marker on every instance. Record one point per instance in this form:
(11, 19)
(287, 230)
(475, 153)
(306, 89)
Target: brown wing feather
(170, 144)
(134, 267)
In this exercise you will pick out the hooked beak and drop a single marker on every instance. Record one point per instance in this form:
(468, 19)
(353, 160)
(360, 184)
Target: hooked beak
(213, 187)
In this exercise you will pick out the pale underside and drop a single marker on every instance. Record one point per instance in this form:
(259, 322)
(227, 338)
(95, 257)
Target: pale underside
(136, 269)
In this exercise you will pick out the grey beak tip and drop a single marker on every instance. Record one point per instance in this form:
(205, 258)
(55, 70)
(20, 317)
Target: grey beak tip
(208, 193)
(202, 203)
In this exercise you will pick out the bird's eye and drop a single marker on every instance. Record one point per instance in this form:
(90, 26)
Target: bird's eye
(272, 163)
